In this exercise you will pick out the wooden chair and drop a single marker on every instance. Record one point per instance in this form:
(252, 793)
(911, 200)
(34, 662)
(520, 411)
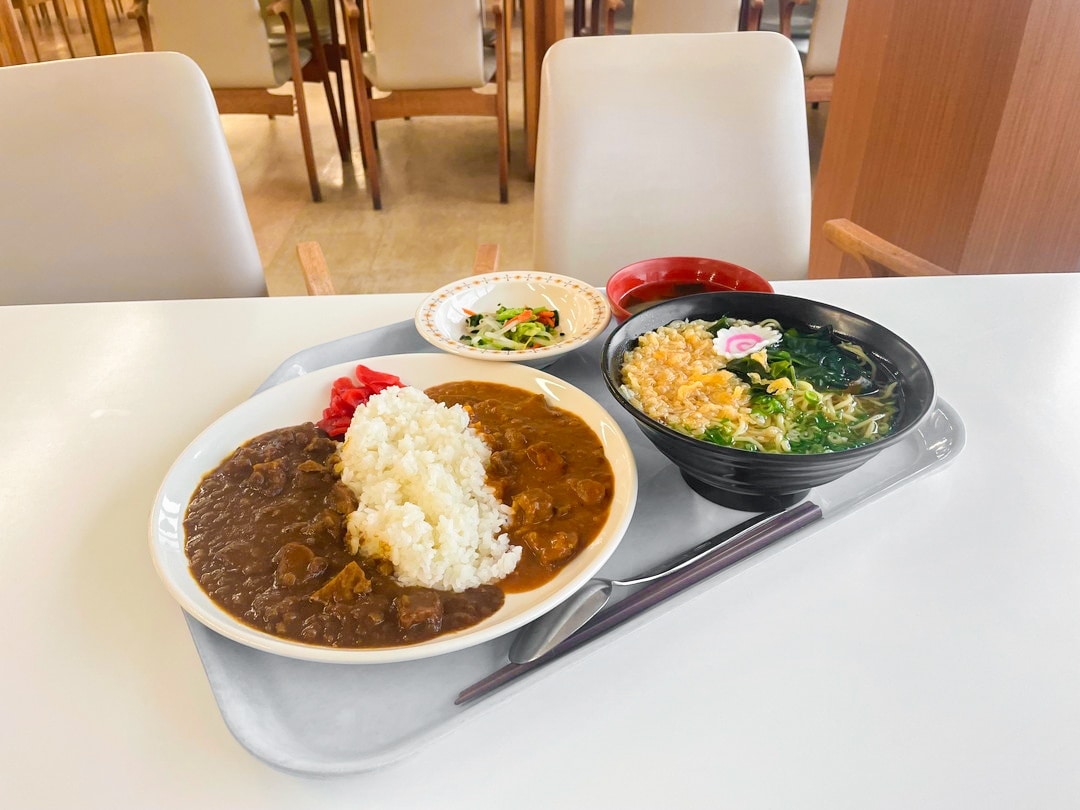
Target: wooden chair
(826, 31)
(327, 27)
(684, 16)
(429, 57)
(875, 256)
(229, 41)
(126, 187)
(27, 7)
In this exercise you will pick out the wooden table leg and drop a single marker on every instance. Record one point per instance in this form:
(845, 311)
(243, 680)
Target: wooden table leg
(542, 26)
(100, 31)
(10, 38)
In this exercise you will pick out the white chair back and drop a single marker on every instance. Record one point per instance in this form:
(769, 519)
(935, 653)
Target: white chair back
(672, 145)
(119, 185)
(428, 44)
(826, 31)
(685, 16)
(227, 38)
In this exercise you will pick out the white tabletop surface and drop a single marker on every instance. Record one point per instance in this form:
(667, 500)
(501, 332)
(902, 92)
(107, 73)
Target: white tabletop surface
(923, 652)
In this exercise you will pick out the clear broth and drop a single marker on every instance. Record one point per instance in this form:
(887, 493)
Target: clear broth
(656, 292)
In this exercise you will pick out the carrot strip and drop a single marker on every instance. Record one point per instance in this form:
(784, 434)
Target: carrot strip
(522, 318)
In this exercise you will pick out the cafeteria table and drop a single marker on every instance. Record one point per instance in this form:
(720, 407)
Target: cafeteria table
(922, 652)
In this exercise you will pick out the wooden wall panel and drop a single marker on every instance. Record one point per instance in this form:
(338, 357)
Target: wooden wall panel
(943, 115)
(1029, 213)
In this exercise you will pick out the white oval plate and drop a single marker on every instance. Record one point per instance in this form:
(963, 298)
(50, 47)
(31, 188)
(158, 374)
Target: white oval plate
(583, 312)
(302, 400)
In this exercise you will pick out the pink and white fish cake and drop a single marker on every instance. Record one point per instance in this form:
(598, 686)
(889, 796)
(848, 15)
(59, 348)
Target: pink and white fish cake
(734, 342)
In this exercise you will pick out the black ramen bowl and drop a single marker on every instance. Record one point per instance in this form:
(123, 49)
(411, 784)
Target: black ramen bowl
(756, 481)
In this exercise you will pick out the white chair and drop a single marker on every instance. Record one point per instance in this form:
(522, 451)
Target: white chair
(230, 42)
(116, 184)
(672, 145)
(429, 57)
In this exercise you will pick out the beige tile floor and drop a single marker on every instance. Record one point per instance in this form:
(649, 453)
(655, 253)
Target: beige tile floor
(440, 191)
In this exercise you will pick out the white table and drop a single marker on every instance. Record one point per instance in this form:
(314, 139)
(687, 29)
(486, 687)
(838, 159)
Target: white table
(924, 652)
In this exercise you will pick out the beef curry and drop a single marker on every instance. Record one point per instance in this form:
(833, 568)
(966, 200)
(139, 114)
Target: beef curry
(265, 530)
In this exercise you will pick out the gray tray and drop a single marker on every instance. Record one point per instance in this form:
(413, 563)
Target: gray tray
(278, 707)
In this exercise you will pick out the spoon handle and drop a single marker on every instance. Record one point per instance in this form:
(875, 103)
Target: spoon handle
(725, 538)
(778, 526)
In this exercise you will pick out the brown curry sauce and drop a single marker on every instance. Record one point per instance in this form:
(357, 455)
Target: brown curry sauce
(265, 530)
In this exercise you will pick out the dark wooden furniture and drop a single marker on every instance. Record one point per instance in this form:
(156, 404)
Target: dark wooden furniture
(954, 135)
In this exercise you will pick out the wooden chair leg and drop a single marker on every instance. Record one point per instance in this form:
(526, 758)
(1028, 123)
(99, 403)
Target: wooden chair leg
(352, 67)
(12, 51)
(81, 14)
(364, 122)
(787, 8)
(369, 145)
(320, 60)
(335, 41)
(487, 259)
(508, 24)
(301, 109)
(28, 21)
(305, 134)
(753, 15)
(61, 17)
(313, 265)
(500, 106)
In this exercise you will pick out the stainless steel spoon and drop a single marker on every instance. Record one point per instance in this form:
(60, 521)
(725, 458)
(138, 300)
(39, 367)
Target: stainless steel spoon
(536, 639)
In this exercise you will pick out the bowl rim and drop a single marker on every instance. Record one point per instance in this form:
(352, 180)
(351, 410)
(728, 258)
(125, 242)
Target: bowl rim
(621, 314)
(766, 458)
(424, 317)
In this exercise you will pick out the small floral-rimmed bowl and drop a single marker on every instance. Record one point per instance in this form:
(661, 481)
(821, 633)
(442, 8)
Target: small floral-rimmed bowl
(583, 313)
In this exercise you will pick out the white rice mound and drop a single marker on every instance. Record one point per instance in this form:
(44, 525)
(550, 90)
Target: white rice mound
(418, 471)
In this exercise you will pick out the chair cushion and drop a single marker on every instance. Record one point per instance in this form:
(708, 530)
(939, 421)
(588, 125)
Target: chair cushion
(371, 70)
